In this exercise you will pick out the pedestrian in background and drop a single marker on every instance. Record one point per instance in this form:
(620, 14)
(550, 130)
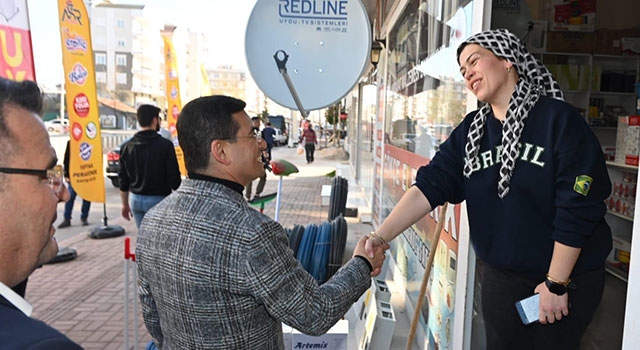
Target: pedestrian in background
(309, 139)
(534, 179)
(148, 167)
(68, 206)
(215, 273)
(255, 124)
(267, 134)
(31, 186)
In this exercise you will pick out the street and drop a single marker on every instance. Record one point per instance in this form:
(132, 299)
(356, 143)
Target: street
(96, 214)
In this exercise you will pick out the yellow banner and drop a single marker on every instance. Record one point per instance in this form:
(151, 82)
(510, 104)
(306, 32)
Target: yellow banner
(206, 87)
(174, 104)
(85, 147)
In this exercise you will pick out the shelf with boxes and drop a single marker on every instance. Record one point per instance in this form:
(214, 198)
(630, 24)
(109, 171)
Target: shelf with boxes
(620, 210)
(601, 86)
(623, 171)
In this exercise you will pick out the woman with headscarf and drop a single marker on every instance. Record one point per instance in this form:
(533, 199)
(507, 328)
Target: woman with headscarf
(534, 179)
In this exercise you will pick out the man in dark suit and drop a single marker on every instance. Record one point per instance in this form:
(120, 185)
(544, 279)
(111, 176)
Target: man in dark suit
(31, 186)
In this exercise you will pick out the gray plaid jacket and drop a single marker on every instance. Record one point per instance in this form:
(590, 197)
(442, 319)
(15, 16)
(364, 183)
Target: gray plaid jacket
(215, 273)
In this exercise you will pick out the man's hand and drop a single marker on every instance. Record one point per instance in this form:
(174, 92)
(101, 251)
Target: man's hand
(552, 306)
(376, 259)
(126, 212)
(372, 244)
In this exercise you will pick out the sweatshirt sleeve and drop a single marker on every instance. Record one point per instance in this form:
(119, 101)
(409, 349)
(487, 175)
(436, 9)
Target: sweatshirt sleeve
(441, 180)
(582, 182)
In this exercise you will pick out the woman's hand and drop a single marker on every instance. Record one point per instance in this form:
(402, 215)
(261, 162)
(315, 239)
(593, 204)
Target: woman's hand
(374, 242)
(552, 306)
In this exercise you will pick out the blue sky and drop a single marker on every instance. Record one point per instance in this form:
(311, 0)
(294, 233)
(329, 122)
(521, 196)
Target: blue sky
(222, 21)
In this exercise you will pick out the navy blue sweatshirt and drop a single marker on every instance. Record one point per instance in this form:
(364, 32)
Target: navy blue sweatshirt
(517, 233)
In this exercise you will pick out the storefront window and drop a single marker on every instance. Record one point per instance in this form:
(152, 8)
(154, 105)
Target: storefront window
(426, 96)
(425, 99)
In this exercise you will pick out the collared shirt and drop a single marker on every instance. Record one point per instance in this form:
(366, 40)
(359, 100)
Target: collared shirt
(15, 299)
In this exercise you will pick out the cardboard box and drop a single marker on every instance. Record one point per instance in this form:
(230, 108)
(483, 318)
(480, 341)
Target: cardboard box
(573, 42)
(286, 336)
(628, 140)
(336, 338)
(619, 256)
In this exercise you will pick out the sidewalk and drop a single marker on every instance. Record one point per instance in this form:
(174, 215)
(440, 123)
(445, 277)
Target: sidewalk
(84, 297)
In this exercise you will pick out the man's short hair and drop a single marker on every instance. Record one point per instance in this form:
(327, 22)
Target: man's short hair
(203, 120)
(146, 114)
(25, 94)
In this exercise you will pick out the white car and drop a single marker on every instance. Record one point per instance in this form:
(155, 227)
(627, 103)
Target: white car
(57, 125)
(279, 138)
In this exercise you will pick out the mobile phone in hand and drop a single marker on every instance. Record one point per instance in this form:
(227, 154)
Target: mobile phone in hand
(529, 309)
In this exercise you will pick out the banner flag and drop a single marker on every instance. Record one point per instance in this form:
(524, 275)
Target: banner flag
(16, 57)
(85, 147)
(206, 87)
(172, 90)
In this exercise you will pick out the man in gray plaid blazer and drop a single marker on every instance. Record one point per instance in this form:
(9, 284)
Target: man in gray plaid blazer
(215, 273)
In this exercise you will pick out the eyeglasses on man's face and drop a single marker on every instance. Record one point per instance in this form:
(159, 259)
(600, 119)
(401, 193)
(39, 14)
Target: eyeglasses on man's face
(254, 133)
(54, 176)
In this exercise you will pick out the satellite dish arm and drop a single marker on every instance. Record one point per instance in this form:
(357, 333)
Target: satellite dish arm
(282, 67)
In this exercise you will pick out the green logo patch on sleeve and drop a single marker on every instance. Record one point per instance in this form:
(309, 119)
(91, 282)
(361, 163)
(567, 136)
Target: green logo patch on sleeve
(583, 184)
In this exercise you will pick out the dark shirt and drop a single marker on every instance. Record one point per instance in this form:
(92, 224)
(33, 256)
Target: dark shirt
(148, 165)
(267, 135)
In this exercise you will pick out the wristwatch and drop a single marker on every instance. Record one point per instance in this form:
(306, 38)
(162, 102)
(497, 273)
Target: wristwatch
(558, 288)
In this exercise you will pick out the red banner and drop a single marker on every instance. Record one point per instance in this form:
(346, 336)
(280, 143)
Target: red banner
(16, 55)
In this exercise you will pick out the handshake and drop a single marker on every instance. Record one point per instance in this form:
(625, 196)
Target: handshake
(372, 248)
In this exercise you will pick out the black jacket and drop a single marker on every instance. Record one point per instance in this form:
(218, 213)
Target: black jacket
(148, 165)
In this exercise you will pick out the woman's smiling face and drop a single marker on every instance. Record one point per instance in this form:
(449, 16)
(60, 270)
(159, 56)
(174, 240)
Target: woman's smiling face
(485, 74)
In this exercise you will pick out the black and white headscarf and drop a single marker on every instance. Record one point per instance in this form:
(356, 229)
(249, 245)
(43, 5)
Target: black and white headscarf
(534, 81)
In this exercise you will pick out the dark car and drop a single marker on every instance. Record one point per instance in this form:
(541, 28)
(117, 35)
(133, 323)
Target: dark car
(113, 164)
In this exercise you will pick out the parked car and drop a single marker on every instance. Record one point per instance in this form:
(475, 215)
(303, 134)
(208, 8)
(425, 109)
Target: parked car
(279, 138)
(113, 164)
(57, 125)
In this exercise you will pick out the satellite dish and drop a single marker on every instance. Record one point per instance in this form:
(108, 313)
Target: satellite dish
(327, 46)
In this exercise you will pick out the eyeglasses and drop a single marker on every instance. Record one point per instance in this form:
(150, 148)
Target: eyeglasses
(54, 176)
(256, 135)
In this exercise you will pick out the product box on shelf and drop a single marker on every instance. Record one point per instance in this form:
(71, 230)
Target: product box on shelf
(620, 255)
(609, 152)
(628, 140)
(566, 41)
